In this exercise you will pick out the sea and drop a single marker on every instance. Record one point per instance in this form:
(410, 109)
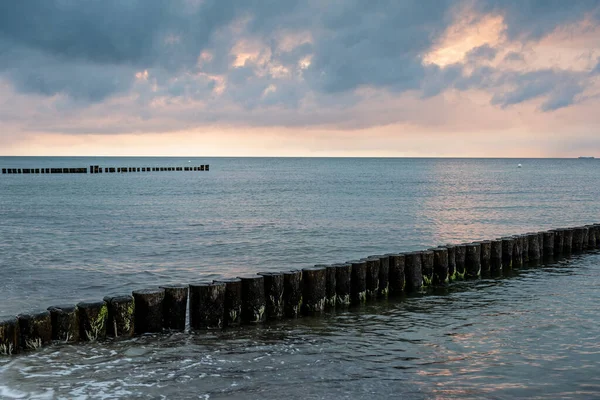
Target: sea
(534, 333)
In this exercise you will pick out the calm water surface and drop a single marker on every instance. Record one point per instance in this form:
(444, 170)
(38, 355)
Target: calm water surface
(74, 237)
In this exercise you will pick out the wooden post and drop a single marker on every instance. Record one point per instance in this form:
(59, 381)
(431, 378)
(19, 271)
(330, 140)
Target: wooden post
(372, 277)
(253, 299)
(148, 310)
(359, 282)
(384, 276)
(578, 239)
(413, 273)
(65, 323)
(473, 261)
(567, 240)
(440, 266)
(585, 237)
(9, 336)
(331, 284)
(508, 244)
(274, 294)
(460, 256)
(121, 316)
(207, 305)
(496, 256)
(175, 306)
(233, 301)
(93, 316)
(534, 247)
(343, 284)
(292, 293)
(517, 254)
(427, 267)
(486, 255)
(397, 280)
(35, 329)
(315, 290)
(548, 244)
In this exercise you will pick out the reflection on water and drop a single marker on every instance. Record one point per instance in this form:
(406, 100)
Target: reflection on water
(531, 335)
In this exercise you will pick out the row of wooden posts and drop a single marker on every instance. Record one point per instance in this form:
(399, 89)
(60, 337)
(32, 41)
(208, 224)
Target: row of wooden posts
(96, 169)
(254, 299)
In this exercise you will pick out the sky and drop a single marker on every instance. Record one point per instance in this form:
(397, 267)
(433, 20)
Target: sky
(377, 78)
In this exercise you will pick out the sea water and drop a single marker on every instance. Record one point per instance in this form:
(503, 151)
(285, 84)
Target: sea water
(70, 237)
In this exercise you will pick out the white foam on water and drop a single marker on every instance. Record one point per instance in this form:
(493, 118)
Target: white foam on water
(9, 393)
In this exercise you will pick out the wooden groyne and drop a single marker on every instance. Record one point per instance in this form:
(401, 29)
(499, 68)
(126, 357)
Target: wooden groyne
(271, 296)
(96, 169)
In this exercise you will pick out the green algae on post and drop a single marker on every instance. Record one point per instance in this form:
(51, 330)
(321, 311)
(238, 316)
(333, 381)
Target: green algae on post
(9, 336)
(65, 323)
(93, 317)
(343, 284)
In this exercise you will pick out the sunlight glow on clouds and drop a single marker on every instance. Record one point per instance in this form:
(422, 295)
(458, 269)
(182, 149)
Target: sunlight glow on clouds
(300, 77)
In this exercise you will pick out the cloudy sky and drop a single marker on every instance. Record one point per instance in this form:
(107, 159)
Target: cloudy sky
(300, 77)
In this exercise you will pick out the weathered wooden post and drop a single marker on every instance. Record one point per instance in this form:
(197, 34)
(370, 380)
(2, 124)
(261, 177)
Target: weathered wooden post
(175, 306)
(65, 323)
(427, 267)
(207, 305)
(568, 240)
(343, 284)
(473, 261)
(9, 336)
(314, 290)
(413, 272)
(585, 237)
(548, 244)
(93, 318)
(149, 310)
(578, 239)
(517, 253)
(292, 293)
(486, 255)
(460, 253)
(525, 248)
(253, 299)
(559, 241)
(508, 243)
(534, 247)
(591, 237)
(384, 276)
(359, 282)
(496, 256)
(233, 301)
(274, 294)
(451, 261)
(121, 316)
(35, 329)
(397, 280)
(372, 277)
(331, 282)
(440, 266)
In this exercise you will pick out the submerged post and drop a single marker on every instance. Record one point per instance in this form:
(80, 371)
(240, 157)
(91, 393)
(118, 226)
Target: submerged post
(473, 261)
(359, 282)
(315, 289)
(397, 280)
(372, 277)
(496, 256)
(121, 316)
(440, 266)
(148, 310)
(65, 323)
(175, 306)
(413, 273)
(273, 294)
(93, 316)
(343, 284)
(233, 301)
(253, 299)
(9, 336)
(292, 293)
(427, 267)
(207, 305)
(35, 329)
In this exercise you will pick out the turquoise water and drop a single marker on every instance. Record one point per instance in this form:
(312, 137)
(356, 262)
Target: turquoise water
(71, 237)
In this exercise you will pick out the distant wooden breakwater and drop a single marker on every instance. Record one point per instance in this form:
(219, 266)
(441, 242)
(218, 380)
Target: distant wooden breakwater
(96, 169)
(254, 299)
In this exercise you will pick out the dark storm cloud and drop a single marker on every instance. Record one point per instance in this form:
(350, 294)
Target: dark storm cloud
(90, 50)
